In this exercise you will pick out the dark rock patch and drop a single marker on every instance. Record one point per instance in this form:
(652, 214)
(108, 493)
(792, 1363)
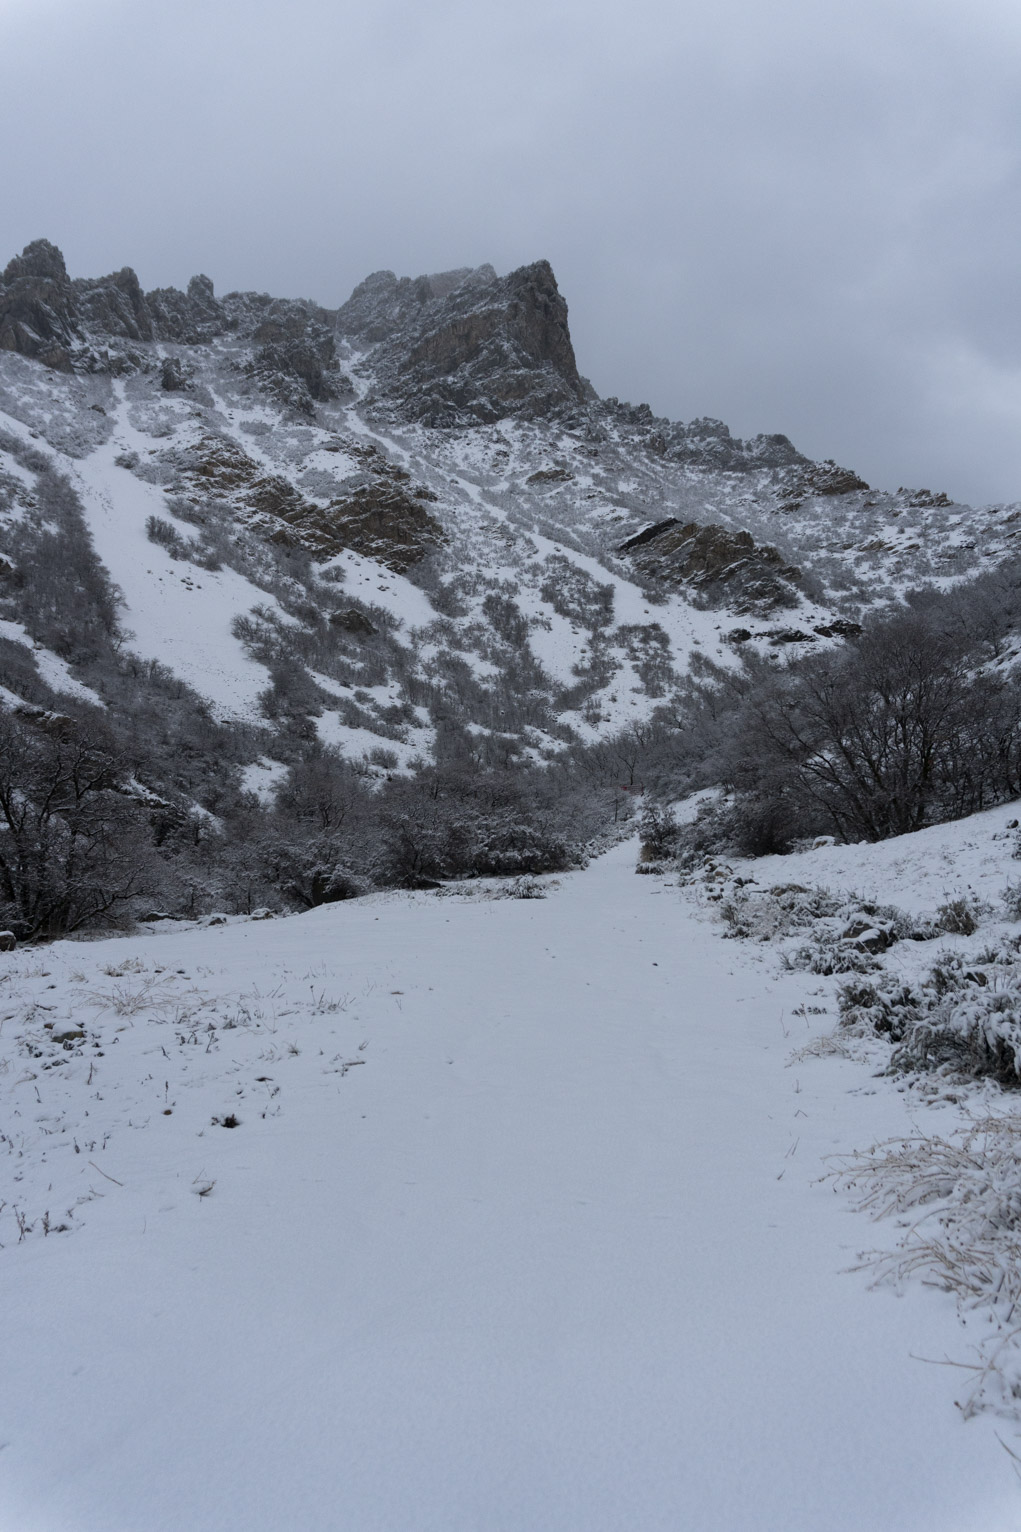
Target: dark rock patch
(468, 346)
(720, 563)
(840, 627)
(550, 476)
(353, 621)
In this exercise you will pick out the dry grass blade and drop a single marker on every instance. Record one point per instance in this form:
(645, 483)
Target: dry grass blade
(966, 1238)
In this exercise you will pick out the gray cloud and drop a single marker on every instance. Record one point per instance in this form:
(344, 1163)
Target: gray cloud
(800, 216)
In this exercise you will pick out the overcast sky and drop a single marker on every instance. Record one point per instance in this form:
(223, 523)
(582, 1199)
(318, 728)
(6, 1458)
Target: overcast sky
(795, 215)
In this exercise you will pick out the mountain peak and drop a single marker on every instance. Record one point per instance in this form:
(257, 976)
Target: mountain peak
(468, 345)
(40, 261)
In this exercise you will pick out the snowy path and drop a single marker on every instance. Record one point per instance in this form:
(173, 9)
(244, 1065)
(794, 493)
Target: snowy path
(554, 1260)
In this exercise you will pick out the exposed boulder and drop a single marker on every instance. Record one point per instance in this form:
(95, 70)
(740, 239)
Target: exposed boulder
(550, 476)
(840, 627)
(779, 636)
(869, 936)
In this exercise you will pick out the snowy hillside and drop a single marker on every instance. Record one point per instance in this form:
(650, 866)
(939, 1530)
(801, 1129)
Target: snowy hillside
(463, 495)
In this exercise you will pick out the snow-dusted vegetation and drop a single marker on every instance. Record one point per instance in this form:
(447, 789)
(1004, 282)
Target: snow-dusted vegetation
(916, 940)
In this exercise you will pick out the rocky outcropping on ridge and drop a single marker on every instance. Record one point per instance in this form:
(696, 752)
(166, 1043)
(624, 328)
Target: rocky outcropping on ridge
(91, 323)
(468, 346)
(38, 317)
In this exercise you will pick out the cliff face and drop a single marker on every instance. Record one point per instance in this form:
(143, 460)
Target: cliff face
(38, 315)
(468, 345)
(404, 529)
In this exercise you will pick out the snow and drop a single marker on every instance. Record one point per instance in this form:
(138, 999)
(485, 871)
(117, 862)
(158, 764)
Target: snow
(558, 647)
(54, 671)
(521, 1228)
(376, 585)
(12, 467)
(164, 614)
(355, 742)
(262, 777)
(918, 871)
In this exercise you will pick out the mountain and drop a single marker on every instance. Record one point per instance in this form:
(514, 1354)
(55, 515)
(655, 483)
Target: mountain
(240, 534)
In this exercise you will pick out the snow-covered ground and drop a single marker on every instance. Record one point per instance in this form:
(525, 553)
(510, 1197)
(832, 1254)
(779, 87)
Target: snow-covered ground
(918, 871)
(520, 1228)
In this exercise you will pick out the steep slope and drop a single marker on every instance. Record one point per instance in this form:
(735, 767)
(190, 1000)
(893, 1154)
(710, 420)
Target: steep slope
(413, 514)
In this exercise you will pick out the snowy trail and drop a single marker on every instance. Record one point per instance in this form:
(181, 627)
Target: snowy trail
(554, 1260)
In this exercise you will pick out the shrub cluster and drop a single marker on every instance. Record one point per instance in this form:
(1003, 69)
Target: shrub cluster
(964, 1016)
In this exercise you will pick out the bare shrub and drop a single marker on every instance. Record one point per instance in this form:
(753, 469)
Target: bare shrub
(158, 530)
(73, 848)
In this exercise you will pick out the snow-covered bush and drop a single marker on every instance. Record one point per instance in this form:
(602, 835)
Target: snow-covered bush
(159, 530)
(574, 594)
(960, 916)
(765, 915)
(828, 953)
(973, 1030)
(882, 1008)
(964, 1016)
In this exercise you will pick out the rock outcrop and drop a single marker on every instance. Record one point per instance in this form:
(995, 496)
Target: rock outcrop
(85, 325)
(810, 479)
(44, 315)
(297, 356)
(189, 318)
(378, 515)
(468, 346)
(113, 306)
(38, 316)
(722, 564)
